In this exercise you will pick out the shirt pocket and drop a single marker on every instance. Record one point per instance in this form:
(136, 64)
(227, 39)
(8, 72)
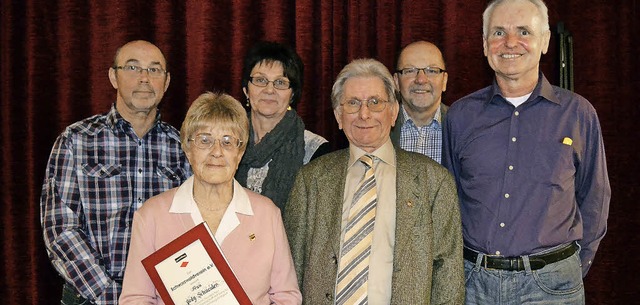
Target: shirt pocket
(554, 163)
(105, 190)
(100, 170)
(175, 174)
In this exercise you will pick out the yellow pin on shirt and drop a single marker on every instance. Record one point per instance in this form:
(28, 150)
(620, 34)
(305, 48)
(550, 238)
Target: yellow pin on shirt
(252, 237)
(567, 141)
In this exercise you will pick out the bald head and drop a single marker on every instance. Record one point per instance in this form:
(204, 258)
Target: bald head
(420, 50)
(143, 45)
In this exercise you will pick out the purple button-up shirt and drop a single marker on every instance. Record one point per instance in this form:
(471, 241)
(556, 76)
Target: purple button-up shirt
(529, 177)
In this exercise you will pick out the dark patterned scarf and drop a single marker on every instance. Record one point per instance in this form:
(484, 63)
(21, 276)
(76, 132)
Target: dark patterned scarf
(284, 146)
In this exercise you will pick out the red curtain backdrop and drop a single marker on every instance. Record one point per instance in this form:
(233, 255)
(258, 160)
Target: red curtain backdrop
(55, 56)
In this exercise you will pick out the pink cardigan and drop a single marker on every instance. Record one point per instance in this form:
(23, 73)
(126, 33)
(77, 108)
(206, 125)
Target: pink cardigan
(263, 264)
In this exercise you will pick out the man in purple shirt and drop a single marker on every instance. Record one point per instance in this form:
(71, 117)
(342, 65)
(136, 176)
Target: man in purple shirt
(530, 168)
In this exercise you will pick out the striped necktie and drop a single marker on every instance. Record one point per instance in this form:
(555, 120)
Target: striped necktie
(353, 270)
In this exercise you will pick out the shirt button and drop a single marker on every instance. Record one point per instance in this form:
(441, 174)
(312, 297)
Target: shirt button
(513, 139)
(497, 252)
(139, 143)
(139, 200)
(502, 224)
(510, 167)
(139, 170)
(506, 195)
(517, 113)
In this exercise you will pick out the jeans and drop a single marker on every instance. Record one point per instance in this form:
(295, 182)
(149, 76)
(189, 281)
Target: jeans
(71, 297)
(554, 284)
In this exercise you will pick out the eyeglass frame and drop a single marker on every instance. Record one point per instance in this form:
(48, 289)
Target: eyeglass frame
(214, 140)
(139, 70)
(369, 101)
(424, 70)
(288, 82)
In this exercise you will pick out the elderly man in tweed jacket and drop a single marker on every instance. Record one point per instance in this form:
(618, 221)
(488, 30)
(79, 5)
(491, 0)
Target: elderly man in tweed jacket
(416, 252)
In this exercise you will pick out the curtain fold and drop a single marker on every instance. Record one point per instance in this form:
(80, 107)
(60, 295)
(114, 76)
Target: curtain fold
(55, 56)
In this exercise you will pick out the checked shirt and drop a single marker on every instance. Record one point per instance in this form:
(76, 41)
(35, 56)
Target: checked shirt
(99, 173)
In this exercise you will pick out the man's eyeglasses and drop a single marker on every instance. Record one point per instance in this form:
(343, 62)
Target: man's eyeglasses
(428, 71)
(137, 70)
(206, 141)
(374, 104)
(280, 83)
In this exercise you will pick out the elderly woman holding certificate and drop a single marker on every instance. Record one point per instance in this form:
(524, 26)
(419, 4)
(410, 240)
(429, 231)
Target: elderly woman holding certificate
(247, 226)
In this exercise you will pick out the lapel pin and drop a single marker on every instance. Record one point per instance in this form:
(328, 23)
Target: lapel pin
(252, 237)
(410, 203)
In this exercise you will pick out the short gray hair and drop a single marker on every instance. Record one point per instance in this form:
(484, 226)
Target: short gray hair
(217, 109)
(365, 67)
(542, 10)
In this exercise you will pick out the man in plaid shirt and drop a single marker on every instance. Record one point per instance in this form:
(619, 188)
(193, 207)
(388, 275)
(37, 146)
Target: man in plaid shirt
(101, 170)
(420, 80)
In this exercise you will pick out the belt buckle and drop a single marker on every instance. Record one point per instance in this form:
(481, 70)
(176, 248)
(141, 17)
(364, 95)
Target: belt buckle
(516, 263)
(485, 260)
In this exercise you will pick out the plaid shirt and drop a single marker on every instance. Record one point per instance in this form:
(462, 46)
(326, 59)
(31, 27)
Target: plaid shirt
(426, 140)
(99, 173)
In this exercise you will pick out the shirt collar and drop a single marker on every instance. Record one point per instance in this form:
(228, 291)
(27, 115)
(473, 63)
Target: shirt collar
(115, 120)
(183, 201)
(543, 89)
(385, 153)
(114, 117)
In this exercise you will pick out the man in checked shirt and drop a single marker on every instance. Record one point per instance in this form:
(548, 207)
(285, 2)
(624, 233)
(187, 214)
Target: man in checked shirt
(420, 80)
(101, 169)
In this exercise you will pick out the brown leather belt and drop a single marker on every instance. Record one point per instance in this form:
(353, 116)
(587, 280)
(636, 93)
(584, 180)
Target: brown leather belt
(517, 263)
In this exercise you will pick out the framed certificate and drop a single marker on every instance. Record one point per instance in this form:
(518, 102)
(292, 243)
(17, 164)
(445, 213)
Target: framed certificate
(192, 270)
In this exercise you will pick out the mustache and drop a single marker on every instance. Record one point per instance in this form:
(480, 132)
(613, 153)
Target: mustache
(421, 87)
(144, 88)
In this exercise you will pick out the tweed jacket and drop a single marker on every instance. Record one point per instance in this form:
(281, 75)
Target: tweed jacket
(428, 266)
(397, 128)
